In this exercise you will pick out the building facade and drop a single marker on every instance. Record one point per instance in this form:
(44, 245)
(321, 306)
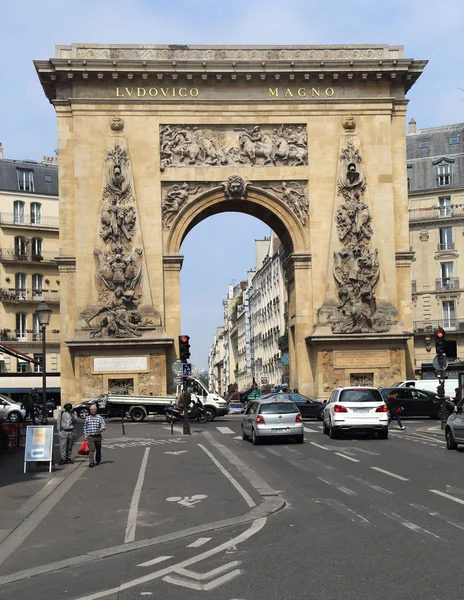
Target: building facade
(28, 272)
(435, 166)
(216, 363)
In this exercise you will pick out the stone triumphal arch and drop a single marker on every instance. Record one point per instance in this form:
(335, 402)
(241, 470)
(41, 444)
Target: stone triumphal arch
(154, 139)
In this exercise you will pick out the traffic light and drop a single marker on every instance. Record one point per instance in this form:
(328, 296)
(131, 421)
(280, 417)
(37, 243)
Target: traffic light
(184, 347)
(440, 341)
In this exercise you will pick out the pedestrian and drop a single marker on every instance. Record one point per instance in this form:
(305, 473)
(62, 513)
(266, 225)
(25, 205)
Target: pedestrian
(93, 428)
(28, 405)
(65, 425)
(394, 409)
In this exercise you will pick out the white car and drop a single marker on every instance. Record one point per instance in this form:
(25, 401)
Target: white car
(11, 411)
(355, 409)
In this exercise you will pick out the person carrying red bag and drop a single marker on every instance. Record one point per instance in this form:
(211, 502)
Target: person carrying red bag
(93, 428)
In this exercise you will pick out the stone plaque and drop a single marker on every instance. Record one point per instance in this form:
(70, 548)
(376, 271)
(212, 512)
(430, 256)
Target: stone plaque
(361, 359)
(120, 363)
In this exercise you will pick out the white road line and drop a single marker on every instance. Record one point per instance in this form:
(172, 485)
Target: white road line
(341, 488)
(274, 452)
(343, 510)
(416, 528)
(319, 446)
(225, 429)
(245, 495)
(378, 488)
(154, 561)
(448, 496)
(437, 515)
(357, 449)
(307, 430)
(134, 505)
(389, 473)
(199, 542)
(347, 457)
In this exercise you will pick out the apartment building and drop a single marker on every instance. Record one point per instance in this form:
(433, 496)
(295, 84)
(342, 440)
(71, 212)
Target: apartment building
(435, 166)
(28, 273)
(216, 363)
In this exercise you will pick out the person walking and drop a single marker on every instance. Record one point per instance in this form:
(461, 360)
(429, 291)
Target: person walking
(28, 405)
(394, 409)
(93, 428)
(65, 425)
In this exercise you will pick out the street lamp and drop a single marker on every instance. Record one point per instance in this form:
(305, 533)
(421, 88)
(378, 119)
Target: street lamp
(43, 316)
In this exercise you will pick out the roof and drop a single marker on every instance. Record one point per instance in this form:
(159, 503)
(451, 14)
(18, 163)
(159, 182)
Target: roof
(9, 176)
(17, 354)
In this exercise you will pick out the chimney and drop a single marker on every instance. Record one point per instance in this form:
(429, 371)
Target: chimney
(1, 151)
(412, 126)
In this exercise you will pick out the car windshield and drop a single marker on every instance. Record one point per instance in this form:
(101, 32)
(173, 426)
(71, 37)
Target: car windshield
(275, 408)
(300, 398)
(236, 405)
(361, 395)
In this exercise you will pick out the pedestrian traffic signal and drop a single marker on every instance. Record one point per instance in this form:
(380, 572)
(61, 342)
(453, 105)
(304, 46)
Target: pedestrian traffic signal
(184, 347)
(440, 341)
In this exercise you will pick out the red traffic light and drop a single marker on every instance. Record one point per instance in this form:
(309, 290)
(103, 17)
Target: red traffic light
(184, 338)
(440, 334)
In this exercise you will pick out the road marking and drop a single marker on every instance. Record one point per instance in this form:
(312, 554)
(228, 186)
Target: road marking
(245, 495)
(255, 527)
(342, 488)
(389, 473)
(307, 430)
(177, 452)
(439, 516)
(190, 579)
(134, 505)
(395, 517)
(154, 561)
(347, 457)
(357, 449)
(378, 488)
(319, 446)
(187, 501)
(225, 429)
(274, 452)
(199, 542)
(343, 510)
(445, 495)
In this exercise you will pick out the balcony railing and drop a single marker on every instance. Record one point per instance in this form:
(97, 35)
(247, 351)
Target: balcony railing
(27, 221)
(431, 326)
(436, 212)
(7, 335)
(28, 295)
(446, 246)
(447, 283)
(12, 255)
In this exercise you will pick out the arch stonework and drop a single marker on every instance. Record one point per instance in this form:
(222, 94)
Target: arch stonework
(152, 140)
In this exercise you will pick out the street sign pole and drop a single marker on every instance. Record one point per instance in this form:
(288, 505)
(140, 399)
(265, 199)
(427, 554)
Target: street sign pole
(440, 364)
(185, 403)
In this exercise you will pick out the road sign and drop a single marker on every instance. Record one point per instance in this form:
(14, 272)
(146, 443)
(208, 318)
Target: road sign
(186, 369)
(178, 380)
(39, 444)
(177, 368)
(440, 362)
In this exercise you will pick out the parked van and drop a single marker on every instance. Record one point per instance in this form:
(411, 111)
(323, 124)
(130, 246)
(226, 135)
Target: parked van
(430, 385)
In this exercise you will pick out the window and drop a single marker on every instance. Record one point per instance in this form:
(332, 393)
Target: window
(20, 247)
(36, 248)
(18, 208)
(424, 144)
(36, 210)
(444, 174)
(454, 140)
(444, 207)
(20, 285)
(37, 283)
(446, 238)
(26, 180)
(38, 368)
(48, 178)
(21, 366)
(37, 333)
(447, 269)
(449, 314)
(21, 320)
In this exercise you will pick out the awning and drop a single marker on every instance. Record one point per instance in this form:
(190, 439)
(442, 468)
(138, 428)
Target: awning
(17, 354)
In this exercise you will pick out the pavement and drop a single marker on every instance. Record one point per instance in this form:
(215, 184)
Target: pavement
(172, 516)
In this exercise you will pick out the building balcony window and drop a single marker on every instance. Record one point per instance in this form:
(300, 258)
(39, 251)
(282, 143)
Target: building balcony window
(20, 219)
(29, 295)
(447, 283)
(428, 327)
(446, 246)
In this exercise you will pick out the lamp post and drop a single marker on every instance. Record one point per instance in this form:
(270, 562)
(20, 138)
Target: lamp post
(44, 313)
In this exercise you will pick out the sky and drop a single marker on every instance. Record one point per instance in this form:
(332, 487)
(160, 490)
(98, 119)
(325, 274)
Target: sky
(220, 249)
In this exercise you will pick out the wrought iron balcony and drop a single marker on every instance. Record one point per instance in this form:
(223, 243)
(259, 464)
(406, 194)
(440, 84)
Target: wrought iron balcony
(446, 246)
(28, 336)
(28, 295)
(436, 212)
(428, 327)
(28, 221)
(12, 255)
(447, 283)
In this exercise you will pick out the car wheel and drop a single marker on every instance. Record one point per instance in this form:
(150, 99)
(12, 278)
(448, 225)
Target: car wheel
(333, 432)
(254, 438)
(244, 436)
(137, 414)
(383, 435)
(14, 417)
(320, 416)
(83, 413)
(450, 443)
(325, 429)
(202, 418)
(210, 413)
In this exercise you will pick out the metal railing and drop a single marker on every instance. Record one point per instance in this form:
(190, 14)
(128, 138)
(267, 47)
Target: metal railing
(28, 295)
(447, 283)
(436, 212)
(12, 255)
(20, 220)
(446, 246)
(7, 335)
(431, 326)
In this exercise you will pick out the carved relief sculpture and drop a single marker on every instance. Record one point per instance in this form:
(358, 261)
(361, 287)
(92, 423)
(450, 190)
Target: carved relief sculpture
(294, 195)
(175, 198)
(188, 145)
(356, 266)
(235, 188)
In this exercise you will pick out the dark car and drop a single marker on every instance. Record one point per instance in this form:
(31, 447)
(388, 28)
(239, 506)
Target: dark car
(416, 403)
(38, 408)
(309, 409)
(82, 409)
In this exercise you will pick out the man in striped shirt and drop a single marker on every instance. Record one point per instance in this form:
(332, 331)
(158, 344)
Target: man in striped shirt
(93, 427)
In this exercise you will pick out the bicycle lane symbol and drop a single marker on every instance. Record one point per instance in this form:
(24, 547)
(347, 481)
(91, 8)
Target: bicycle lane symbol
(187, 501)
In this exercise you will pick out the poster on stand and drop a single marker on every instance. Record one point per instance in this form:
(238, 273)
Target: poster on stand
(39, 444)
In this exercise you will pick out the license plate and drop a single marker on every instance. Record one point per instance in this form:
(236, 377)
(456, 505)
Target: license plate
(281, 430)
(360, 410)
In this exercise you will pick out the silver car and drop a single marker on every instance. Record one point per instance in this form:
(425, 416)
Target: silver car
(11, 411)
(454, 430)
(270, 419)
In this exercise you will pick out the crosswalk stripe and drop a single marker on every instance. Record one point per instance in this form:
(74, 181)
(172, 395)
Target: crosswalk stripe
(307, 430)
(225, 429)
(155, 561)
(199, 542)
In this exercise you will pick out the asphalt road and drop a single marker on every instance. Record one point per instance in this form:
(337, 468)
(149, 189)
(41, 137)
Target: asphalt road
(363, 518)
